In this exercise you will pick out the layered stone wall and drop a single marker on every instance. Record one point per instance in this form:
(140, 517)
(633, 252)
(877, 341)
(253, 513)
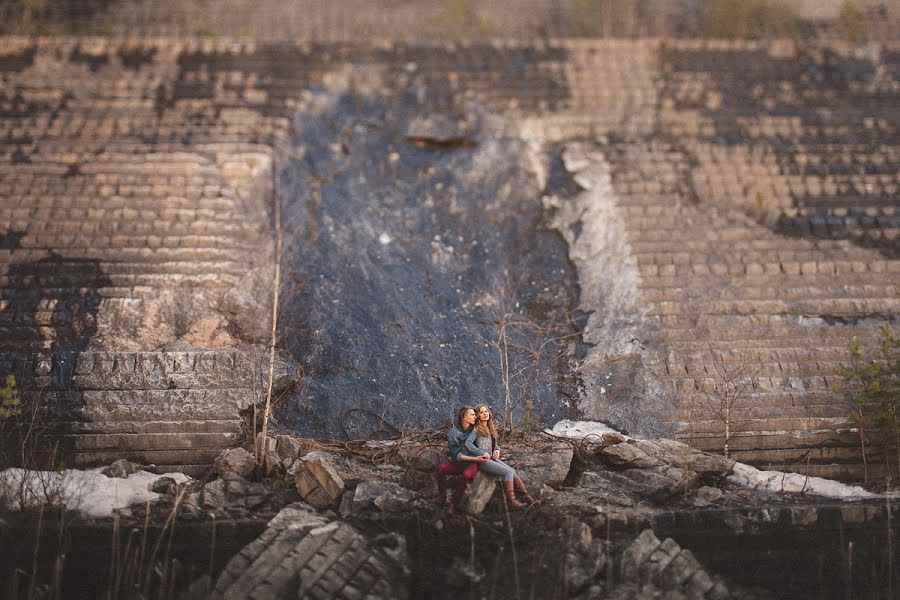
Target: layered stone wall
(752, 188)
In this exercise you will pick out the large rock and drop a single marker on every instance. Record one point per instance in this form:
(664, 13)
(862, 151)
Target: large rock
(629, 455)
(386, 495)
(479, 493)
(121, 469)
(317, 479)
(664, 482)
(588, 434)
(677, 454)
(234, 462)
(547, 464)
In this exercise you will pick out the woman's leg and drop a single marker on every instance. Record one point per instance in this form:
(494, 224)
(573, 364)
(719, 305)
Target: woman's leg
(519, 485)
(506, 474)
(501, 471)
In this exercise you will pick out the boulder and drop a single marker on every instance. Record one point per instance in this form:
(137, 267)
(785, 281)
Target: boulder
(708, 466)
(288, 448)
(587, 433)
(629, 455)
(317, 479)
(662, 483)
(479, 493)
(386, 495)
(121, 469)
(547, 466)
(213, 495)
(164, 485)
(234, 462)
(707, 496)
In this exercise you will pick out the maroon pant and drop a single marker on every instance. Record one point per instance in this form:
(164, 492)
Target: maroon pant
(466, 471)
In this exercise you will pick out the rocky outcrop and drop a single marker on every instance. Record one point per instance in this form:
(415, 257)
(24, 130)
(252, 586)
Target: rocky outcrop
(304, 555)
(656, 568)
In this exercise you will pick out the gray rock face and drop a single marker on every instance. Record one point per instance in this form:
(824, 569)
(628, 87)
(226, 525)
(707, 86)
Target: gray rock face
(407, 237)
(303, 555)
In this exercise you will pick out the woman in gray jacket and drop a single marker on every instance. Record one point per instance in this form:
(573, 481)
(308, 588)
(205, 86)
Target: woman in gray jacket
(483, 440)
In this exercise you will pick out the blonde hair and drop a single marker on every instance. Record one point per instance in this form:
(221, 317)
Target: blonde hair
(485, 427)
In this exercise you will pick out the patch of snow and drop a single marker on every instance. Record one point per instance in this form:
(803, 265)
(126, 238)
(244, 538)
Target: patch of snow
(579, 430)
(90, 492)
(777, 481)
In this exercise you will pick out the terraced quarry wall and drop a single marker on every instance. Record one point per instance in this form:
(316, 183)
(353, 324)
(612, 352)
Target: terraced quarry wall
(728, 204)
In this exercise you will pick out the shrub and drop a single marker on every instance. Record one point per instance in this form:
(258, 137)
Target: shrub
(872, 382)
(10, 402)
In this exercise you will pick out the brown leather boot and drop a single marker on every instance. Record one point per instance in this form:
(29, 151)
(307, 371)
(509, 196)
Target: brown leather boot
(511, 496)
(520, 487)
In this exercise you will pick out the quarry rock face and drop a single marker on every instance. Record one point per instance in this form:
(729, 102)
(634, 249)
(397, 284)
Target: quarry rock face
(637, 225)
(415, 242)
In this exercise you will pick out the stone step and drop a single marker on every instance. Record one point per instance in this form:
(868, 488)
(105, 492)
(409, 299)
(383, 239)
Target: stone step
(166, 460)
(36, 238)
(207, 400)
(206, 370)
(739, 270)
(736, 326)
(819, 306)
(747, 410)
(140, 442)
(786, 292)
(138, 256)
(207, 424)
(770, 440)
(762, 426)
(75, 271)
(118, 285)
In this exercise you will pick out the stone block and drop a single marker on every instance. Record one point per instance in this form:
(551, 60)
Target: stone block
(317, 480)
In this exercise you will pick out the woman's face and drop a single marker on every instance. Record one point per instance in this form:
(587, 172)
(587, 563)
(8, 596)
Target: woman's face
(484, 414)
(469, 417)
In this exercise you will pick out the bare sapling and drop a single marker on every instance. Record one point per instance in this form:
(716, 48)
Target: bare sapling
(261, 454)
(522, 345)
(729, 391)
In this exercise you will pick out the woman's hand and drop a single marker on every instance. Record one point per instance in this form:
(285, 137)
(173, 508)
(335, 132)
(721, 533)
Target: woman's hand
(496, 455)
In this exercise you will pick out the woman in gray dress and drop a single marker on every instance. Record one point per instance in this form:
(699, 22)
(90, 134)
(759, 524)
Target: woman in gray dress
(483, 440)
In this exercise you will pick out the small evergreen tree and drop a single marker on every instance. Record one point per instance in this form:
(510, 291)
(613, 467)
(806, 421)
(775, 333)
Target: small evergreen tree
(10, 402)
(872, 382)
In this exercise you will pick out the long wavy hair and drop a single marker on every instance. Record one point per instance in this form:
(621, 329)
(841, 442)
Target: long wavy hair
(460, 414)
(485, 427)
